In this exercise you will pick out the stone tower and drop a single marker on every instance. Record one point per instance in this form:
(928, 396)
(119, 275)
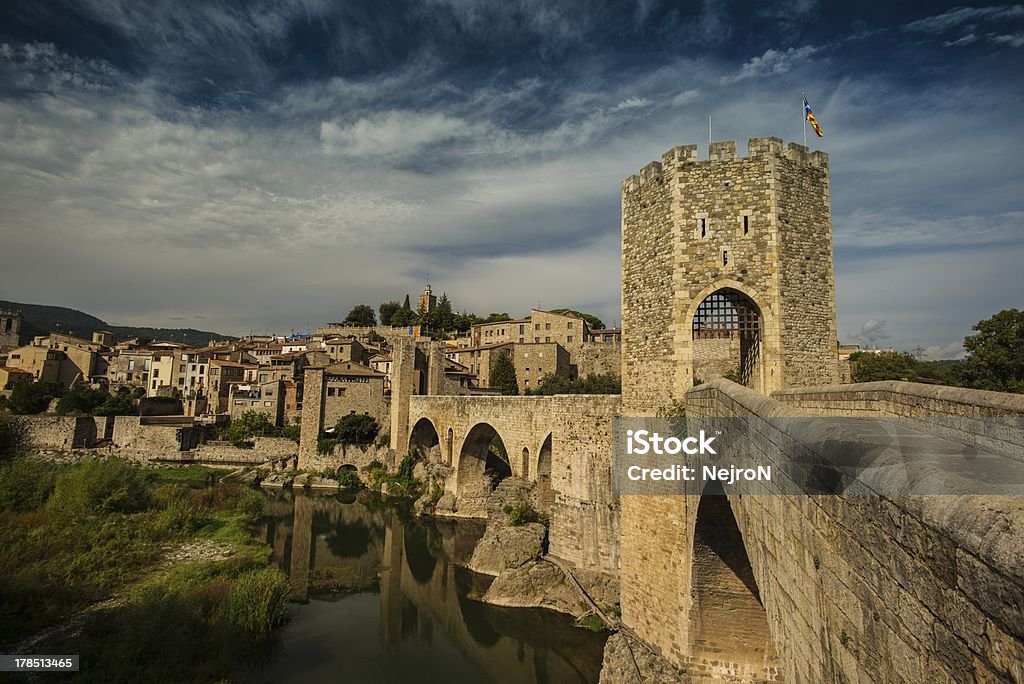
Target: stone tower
(727, 271)
(10, 328)
(428, 301)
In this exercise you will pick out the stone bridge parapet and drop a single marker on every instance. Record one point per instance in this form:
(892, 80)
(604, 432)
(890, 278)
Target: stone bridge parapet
(853, 588)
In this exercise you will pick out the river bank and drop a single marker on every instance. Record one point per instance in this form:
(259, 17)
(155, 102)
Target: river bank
(150, 574)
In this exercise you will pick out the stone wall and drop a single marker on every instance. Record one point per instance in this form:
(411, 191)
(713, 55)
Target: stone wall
(61, 433)
(853, 588)
(348, 455)
(562, 442)
(991, 421)
(596, 358)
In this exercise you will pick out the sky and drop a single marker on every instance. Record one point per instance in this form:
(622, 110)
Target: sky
(266, 166)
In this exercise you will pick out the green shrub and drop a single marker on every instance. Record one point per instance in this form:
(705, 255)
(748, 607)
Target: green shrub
(179, 518)
(102, 485)
(383, 440)
(26, 483)
(250, 504)
(291, 432)
(325, 445)
(348, 479)
(258, 601)
(32, 397)
(356, 429)
(80, 400)
(522, 513)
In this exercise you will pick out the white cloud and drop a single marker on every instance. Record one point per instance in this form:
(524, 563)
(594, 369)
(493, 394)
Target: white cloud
(959, 16)
(771, 63)
(392, 133)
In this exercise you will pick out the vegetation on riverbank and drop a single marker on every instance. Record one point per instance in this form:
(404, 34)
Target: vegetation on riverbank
(75, 535)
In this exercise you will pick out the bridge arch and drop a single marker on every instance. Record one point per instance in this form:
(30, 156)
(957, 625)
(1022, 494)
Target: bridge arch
(483, 461)
(729, 632)
(731, 333)
(424, 437)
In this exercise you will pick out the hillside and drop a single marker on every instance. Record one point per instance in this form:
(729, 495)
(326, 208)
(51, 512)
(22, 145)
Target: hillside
(42, 320)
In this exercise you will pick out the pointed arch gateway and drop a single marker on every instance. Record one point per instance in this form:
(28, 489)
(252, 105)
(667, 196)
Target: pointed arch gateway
(727, 332)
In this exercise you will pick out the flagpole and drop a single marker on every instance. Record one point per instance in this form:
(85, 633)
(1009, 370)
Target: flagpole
(803, 112)
(709, 131)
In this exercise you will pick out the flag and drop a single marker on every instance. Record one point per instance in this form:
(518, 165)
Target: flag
(809, 115)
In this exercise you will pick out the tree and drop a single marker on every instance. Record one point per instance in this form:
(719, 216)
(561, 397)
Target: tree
(248, 425)
(361, 314)
(503, 375)
(443, 318)
(405, 315)
(995, 358)
(81, 400)
(497, 318)
(593, 321)
(872, 367)
(387, 310)
(356, 429)
(32, 397)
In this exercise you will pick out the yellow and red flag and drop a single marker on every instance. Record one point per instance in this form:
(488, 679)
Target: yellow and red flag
(809, 116)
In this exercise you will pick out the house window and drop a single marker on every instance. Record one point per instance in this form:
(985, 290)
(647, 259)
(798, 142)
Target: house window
(547, 339)
(330, 391)
(547, 326)
(202, 369)
(536, 326)
(569, 325)
(131, 364)
(521, 330)
(156, 372)
(568, 338)
(536, 339)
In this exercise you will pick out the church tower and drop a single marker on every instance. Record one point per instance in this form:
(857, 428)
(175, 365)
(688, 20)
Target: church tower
(427, 300)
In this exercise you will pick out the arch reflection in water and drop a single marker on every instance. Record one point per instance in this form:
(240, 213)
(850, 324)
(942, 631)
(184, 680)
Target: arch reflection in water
(386, 600)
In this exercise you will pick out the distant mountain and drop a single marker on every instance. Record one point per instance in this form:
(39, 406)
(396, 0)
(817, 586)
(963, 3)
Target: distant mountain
(42, 320)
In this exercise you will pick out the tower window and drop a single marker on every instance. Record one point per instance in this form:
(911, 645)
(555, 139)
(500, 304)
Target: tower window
(746, 224)
(725, 257)
(703, 227)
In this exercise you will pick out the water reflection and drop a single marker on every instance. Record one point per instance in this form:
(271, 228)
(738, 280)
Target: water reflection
(388, 601)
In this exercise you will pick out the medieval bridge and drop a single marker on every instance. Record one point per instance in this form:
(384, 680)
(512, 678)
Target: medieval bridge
(727, 271)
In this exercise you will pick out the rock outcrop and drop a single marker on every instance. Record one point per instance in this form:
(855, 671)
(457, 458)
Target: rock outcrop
(504, 547)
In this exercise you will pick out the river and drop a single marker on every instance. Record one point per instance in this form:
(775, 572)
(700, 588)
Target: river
(381, 597)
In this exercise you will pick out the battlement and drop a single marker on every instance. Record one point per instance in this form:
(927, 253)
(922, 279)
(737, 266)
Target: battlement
(725, 151)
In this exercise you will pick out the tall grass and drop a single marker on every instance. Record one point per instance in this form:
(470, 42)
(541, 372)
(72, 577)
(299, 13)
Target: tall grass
(258, 600)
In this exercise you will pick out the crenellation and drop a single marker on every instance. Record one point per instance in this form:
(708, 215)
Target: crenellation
(764, 147)
(679, 155)
(722, 151)
(651, 172)
(796, 152)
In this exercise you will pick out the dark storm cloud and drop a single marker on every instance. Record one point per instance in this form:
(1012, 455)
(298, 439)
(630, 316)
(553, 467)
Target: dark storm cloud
(270, 164)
